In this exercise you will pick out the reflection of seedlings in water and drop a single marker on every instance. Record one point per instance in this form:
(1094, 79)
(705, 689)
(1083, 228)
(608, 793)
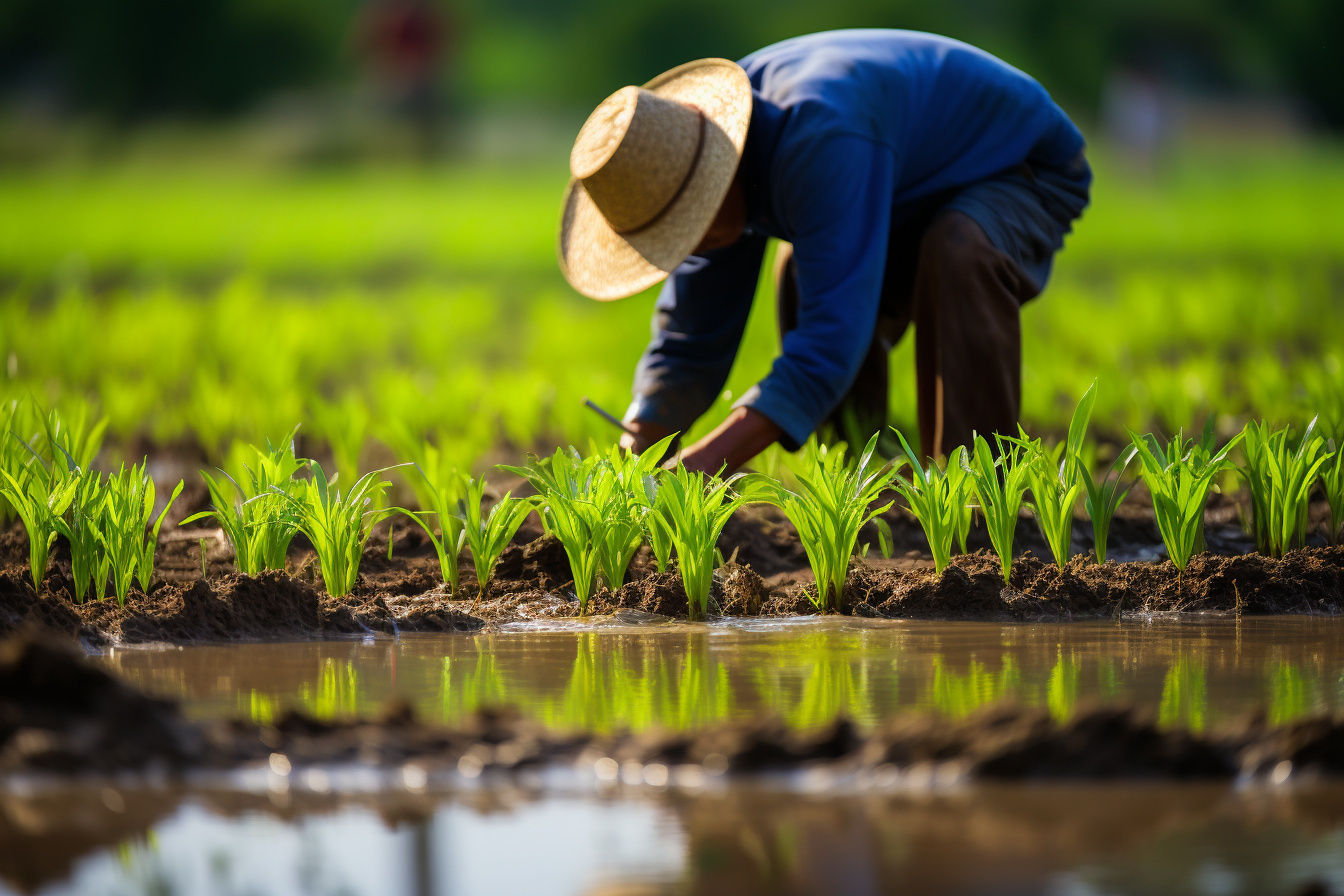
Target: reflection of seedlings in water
(957, 696)
(1288, 698)
(1062, 696)
(1185, 695)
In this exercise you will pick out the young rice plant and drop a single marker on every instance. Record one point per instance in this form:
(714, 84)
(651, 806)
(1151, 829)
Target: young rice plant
(937, 497)
(1180, 476)
(698, 507)
(1052, 474)
(999, 483)
(1332, 479)
(1280, 482)
(254, 514)
(833, 500)
(338, 525)
(489, 534)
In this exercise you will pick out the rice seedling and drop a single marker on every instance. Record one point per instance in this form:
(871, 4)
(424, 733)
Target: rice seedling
(1180, 476)
(697, 509)
(625, 488)
(1332, 480)
(90, 563)
(125, 530)
(39, 497)
(999, 483)
(885, 544)
(1052, 474)
(834, 499)
(338, 525)
(937, 497)
(439, 493)
(73, 439)
(1280, 482)
(562, 481)
(1104, 496)
(257, 521)
(489, 534)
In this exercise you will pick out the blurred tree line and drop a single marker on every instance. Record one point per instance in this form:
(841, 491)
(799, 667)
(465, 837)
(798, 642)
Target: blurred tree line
(132, 58)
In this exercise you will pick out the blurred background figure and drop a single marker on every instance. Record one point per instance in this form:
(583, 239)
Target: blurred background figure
(1136, 116)
(405, 44)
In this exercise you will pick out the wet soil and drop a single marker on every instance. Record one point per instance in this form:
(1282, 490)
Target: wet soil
(61, 714)
(198, 595)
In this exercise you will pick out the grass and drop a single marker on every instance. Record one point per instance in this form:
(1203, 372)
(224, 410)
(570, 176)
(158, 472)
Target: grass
(833, 500)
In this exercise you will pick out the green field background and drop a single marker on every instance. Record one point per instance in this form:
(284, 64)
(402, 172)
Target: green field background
(200, 302)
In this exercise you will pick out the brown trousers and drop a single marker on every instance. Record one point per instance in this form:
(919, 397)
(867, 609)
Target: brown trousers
(964, 298)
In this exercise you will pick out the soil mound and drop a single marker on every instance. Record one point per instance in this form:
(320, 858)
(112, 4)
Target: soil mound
(59, 713)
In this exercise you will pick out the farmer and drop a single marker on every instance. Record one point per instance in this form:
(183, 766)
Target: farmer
(913, 178)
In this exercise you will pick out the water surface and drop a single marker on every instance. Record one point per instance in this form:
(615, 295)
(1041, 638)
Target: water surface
(1190, 672)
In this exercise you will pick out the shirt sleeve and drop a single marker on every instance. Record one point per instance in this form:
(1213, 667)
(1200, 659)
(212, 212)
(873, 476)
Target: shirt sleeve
(834, 195)
(698, 323)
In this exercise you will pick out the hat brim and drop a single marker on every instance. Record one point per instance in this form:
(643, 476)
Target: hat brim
(606, 265)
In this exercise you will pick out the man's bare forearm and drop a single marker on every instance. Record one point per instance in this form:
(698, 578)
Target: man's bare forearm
(744, 434)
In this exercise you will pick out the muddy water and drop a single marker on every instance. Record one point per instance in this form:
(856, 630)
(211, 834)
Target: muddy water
(1191, 673)
(1077, 840)
(352, 831)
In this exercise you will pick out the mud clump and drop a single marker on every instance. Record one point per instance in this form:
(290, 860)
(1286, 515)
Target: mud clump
(59, 713)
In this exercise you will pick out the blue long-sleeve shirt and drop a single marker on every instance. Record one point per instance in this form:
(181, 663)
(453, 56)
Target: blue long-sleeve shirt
(849, 129)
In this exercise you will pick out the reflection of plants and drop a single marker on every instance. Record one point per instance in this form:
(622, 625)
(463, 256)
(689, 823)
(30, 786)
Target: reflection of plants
(1288, 693)
(1185, 694)
(832, 690)
(338, 693)
(957, 695)
(1062, 694)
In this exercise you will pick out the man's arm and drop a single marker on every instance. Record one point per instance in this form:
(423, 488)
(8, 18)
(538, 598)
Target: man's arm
(698, 323)
(834, 195)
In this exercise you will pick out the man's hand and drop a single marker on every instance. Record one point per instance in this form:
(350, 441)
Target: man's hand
(739, 438)
(646, 432)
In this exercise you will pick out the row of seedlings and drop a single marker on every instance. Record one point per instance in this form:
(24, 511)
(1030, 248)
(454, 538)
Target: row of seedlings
(48, 483)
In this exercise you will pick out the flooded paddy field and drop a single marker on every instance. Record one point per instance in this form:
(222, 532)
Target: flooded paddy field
(1190, 671)
(816, 823)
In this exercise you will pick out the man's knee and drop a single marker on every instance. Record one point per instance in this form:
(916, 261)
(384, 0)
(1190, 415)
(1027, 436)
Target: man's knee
(955, 253)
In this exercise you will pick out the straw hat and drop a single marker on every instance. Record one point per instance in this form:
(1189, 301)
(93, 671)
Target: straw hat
(650, 168)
